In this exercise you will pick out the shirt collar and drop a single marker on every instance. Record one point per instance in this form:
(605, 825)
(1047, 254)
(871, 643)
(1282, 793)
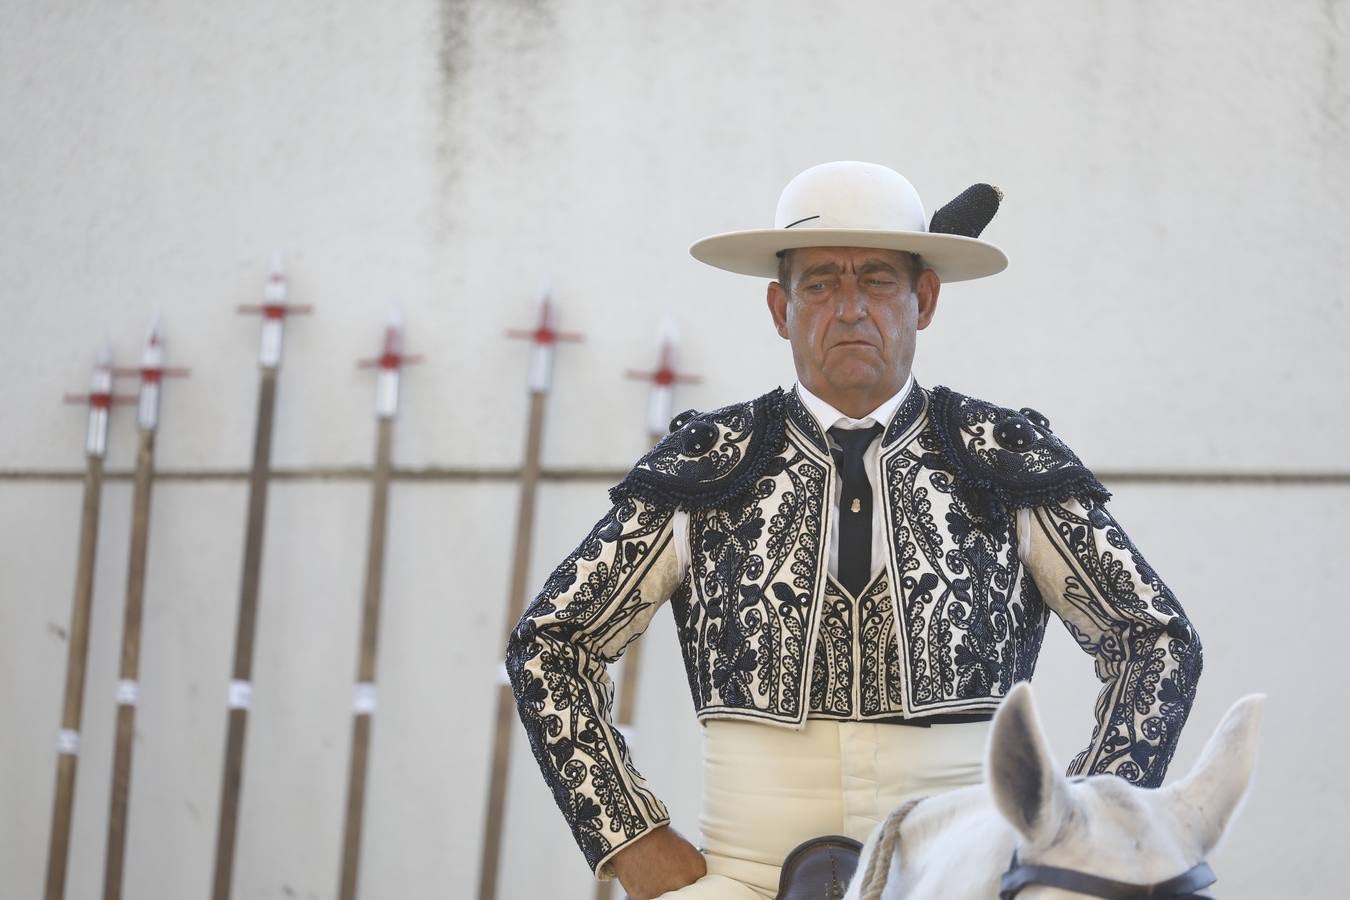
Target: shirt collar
(827, 416)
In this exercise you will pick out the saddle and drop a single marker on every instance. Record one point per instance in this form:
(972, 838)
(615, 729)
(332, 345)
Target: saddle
(819, 869)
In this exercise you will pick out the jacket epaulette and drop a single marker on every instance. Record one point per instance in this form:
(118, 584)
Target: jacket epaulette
(710, 458)
(1009, 455)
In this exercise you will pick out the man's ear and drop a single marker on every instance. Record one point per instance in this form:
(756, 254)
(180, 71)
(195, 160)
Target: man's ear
(926, 293)
(777, 300)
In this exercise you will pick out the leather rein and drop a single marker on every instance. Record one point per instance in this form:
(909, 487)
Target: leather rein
(1185, 886)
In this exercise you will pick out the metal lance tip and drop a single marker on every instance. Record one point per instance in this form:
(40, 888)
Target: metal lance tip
(391, 360)
(103, 356)
(544, 337)
(152, 371)
(661, 399)
(100, 401)
(393, 337)
(274, 316)
(274, 309)
(540, 377)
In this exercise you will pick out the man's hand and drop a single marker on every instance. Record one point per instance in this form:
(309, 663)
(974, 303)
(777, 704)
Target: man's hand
(659, 862)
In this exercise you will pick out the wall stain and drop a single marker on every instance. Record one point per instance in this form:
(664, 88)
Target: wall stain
(1334, 102)
(473, 34)
(452, 61)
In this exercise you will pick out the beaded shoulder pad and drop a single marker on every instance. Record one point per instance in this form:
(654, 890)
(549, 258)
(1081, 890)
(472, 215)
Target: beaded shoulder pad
(1009, 454)
(710, 458)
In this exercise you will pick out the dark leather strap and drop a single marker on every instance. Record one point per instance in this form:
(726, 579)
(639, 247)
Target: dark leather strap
(943, 719)
(1185, 885)
(819, 869)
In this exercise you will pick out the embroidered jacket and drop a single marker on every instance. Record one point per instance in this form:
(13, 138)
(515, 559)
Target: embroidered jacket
(992, 522)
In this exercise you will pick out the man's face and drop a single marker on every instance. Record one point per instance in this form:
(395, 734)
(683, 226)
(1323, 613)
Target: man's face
(852, 317)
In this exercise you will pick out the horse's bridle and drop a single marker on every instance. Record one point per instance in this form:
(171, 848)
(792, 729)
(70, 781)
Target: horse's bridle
(1185, 886)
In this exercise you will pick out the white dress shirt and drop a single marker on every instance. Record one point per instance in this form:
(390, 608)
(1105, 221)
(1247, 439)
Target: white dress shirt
(827, 417)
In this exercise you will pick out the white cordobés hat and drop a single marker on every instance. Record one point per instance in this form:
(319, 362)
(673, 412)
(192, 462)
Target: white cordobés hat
(859, 204)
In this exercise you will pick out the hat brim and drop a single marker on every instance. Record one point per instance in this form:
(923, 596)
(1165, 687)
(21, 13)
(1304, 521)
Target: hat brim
(952, 256)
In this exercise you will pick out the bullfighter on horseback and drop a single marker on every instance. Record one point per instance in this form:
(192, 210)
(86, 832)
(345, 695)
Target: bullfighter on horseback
(860, 568)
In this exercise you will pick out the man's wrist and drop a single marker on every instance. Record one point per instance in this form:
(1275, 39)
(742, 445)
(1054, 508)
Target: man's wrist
(604, 869)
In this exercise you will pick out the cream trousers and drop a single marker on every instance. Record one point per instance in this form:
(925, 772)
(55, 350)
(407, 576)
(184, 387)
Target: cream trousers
(767, 789)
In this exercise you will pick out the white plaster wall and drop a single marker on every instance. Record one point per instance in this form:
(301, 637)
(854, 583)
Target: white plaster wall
(1177, 194)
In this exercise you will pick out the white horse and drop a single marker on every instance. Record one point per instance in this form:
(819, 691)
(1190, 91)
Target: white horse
(1097, 836)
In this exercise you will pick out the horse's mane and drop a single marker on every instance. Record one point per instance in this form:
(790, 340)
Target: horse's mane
(921, 833)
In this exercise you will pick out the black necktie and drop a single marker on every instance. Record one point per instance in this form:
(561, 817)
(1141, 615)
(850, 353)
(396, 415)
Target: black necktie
(855, 506)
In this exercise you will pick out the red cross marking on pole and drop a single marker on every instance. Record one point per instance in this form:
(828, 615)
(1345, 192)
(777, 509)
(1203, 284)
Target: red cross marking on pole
(665, 374)
(544, 334)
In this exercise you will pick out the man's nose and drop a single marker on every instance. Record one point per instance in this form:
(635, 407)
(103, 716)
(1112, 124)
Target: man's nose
(852, 301)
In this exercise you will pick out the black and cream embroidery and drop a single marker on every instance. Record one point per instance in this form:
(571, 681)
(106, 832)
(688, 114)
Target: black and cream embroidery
(910, 409)
(746, 614)
(1147, 653)
(879, 677)
(712, 458)
(832, 669)
(855, 673)
(1002, 457)
(953, 622)
(970, 634)
(806, 423)
(597, 600)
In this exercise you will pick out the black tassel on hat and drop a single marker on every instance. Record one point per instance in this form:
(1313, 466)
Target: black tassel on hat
(969, 213)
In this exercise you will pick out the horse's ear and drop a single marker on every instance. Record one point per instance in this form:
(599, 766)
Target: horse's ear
(1023, 777)
(1211, 791)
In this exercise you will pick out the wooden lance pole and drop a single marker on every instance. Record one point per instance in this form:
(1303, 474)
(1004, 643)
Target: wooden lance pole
(660, 409)
(274, 311)
(390, 363)
(100, 401)
(544, 338)
(152, 372)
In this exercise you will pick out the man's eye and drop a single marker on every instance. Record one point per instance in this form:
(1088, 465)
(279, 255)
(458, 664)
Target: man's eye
(880, 282)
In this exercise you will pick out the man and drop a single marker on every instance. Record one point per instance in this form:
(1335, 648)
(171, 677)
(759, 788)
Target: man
(859, 570)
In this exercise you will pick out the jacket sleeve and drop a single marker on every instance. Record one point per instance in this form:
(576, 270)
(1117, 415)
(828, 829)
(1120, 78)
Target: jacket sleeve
(1147, 654)
(599, 598)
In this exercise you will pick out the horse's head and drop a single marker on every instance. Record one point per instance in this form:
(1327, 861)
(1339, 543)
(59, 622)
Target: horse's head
(1103, 825)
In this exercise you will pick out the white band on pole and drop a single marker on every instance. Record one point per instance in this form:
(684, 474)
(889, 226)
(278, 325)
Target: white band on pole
(147, 407)
(363, 698)
(269, 348)
(96, 440)
(386, 393)
(241, 694)
(67, 742)
(660, 409)
(100, 386)
(128, 692)
(541, 368)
